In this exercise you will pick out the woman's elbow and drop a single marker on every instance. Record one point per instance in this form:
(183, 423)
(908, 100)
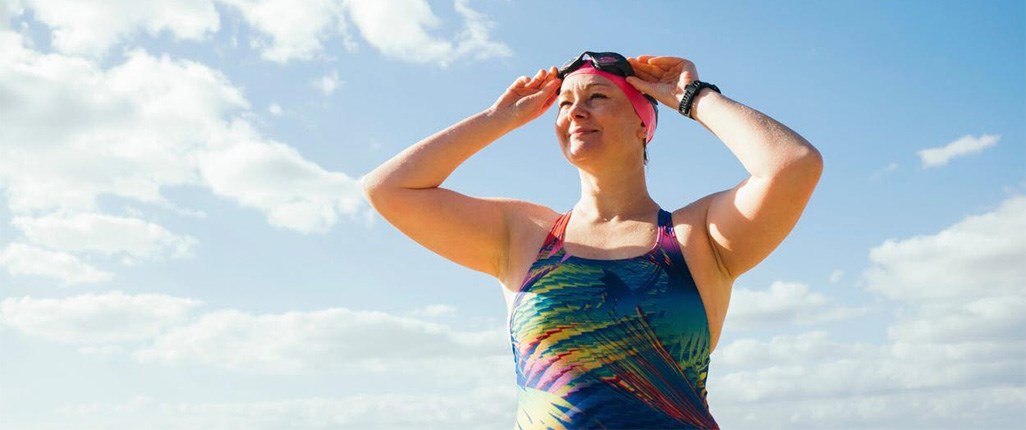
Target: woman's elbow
(804, 166)
(810, 164)
(813, 160)
(374, 186)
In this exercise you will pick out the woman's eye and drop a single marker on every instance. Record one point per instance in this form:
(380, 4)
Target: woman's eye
(564, 103)
(595, 96)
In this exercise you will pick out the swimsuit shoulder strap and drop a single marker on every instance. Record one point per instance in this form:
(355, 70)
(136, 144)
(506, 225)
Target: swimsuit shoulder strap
(554, 240)
(667, 239)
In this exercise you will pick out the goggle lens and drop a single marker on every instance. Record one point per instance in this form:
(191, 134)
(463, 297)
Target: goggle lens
(605, 61)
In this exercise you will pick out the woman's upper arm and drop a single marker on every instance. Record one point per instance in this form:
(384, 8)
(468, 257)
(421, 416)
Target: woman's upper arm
(747, 222)
(471, 231)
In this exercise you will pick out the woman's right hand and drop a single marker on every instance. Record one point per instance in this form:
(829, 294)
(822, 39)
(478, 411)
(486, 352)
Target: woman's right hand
(528, 98)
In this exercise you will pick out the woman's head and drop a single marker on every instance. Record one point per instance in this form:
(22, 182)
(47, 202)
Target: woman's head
(616, 69)
(596, 104)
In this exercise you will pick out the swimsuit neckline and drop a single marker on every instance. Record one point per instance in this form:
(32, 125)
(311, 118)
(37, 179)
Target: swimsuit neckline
(561, 235)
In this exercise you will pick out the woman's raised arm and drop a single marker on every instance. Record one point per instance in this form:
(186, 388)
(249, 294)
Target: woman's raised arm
(470, 231)
(748, 221)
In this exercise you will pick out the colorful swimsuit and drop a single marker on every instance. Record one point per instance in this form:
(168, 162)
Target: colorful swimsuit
(610, 344)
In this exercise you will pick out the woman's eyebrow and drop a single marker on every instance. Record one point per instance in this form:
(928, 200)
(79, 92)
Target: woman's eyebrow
(595, 84)
(588, 86)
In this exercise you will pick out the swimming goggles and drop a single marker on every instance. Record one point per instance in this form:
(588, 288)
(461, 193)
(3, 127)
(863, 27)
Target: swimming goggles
(606, 61)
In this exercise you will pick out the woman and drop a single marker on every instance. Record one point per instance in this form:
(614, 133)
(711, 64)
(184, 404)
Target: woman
(615, 305)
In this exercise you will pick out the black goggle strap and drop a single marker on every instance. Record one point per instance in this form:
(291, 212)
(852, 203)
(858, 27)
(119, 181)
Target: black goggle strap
(605, 61)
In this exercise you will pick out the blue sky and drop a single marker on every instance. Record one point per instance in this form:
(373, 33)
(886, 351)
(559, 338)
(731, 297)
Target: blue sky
(183, 241)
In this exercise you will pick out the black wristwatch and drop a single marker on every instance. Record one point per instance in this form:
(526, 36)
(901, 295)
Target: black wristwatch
(690, 91)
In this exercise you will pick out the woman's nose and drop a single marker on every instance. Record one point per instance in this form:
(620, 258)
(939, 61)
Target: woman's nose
(577, 109)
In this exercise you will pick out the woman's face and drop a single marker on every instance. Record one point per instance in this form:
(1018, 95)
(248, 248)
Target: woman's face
(597, 120)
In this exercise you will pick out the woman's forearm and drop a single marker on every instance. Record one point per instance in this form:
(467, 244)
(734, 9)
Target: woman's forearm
(429, 162)
(764, 146)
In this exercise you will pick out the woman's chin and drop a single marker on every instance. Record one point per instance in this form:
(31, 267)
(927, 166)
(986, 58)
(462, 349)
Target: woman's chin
(578, 151)
(582, 144)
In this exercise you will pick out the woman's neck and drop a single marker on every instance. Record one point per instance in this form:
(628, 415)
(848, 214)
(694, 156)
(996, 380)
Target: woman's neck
(617, 196)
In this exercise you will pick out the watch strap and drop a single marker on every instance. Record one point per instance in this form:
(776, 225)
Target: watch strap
(690, 91)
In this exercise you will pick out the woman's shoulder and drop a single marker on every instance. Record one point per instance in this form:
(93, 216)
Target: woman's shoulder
(692, 214)
(691, 226)
(529, 224)
(524, 215)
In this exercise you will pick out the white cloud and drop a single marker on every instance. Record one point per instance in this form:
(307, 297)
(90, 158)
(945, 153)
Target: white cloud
(795, 381)
(285, 31)
(836, 276)
(280, 31)
(811, 364)
(781, 350)
(92, 27)
(274, 109)
(75, 131)
(966, 145)
(327, 340)
(484, 405)
(273, 177)
(104, 234)
(401, 29)
(971, 408)
(433, 311)
(879, 174)
(782, 303)
(999, 318)
(96, 319)
(22, 259)
(327, 83)
(165, 330)
(980, 256)
(102, 350)
(953, 357)
(475, 39)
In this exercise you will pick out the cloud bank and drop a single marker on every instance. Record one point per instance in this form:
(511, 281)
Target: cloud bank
(954, 354)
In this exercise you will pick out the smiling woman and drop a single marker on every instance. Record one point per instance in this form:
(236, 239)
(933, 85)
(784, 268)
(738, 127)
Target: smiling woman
(614, 306)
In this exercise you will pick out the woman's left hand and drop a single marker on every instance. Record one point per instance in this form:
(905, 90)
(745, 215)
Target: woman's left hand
(663, 78)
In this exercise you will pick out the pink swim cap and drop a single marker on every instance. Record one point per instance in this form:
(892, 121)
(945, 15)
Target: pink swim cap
(644, 108)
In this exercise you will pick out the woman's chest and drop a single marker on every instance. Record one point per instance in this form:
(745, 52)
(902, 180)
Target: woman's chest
(627, 283)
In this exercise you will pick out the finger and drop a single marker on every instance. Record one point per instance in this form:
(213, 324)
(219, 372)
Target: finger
(551, 86)
(548, 75)
(544, 94)
(644, 58)
(644, 66)
(539, 79)
(532, 81)
(550, 89)
(634, 62)
(640, 84)
(519, 84)
(671, 63)
(666, 61)
(648, 74)
(554, 74)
